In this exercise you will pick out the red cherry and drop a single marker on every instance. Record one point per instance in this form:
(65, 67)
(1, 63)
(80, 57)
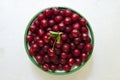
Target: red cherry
(29, 38)
(68, 12)
(75, 33)
(51, 22)
(76, 52)
(84, 56)
(55, 28)
(44, 23)
(60, 67)
(51, 52)
(77, 40)
(72, 45)
(71, 61)
(58, 18)
(62, 61)
(84, 30)
(31, 52)
(35, 46)
(41, 16)
(49, 29)
(68, 29)
(53, 68)
(41, 32)
(62, 12)
(64, 37)
(58, 44)
(76, 26)
(57, 51)
(33, 28)
(67, 20)
(46, 39)
(61, 26)
(56, 11)
(67, 68)
(36, 38)
(78, 61)
(84, 36)
(66, 47)
(45, 67)
(54, 59)
(46, 58)
(48, 12)
(75, 17)
(45, 48)
(81, 45)
(39, 59)
(63, 55)
(40, 43)
(36, 23)
(83, 21)
(88, 47)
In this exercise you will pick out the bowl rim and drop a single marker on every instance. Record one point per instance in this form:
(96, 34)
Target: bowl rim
(32, 58)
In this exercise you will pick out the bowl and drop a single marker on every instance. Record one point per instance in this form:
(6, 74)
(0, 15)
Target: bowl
(58, 72)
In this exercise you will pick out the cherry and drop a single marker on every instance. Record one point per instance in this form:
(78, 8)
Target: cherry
(35, 46)
(51, 52)
(88, 40)
(84, 56)
(71, 61)
(51, 22)
(36, 23)
(46, 58)
(62, 61)
(68, 29)
(84, 36)
(56, 11)
(64, 37)
(61, 26)
(76, 52)
(75, 17)
(57, 51)
(31, 52)
(33, 28)
(83, 21)
(76, 26)
(66, 47)
(41, 16)
(68, 12)
(60, 67)
(62, 12)
(49, 29)
(58, 44)
(41, 32)
(48, 12)
(72, 45)
(63, 55)
(45, 67)
(41, 52)
(46, 39)
(58, 18)
(70, 56)
(54, 59)
(88, 47)
(44, 23)
(55, 28)
(53, 68)
(45, 48)
(39, 59)
(29, 38)
(77, 40)
(67, 68)
(36, 38)
(67, 20)
(78, 61)
(84, 30)
(81, 45)
(75, 33)
(40, 43)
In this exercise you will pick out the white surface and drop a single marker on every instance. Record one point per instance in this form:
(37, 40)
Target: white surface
(103, 15)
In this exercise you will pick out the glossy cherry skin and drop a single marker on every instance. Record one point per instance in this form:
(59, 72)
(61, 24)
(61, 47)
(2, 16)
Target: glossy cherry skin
(55, 28)
(33, 28)
(46, 39)
(58, 44)
(68, 12)
(56, 11)
(31, 52)
(71, 61)
(54, 59)
(60, 67)
(84, 36)
(67, 68)
(44, 23)
(75, 33)
(41, 32)
(51, 22)
(58, 18)
(77, 40)
(29, 38)
(48, 12)
(61, 26)
(45, 67)
(46, 58)
(41, 16)
(39, 59)
(88, 47)
(68, 29)
(78, 61)
(64, 37)
(53, 68)
(67, 20)
(36, 23)
(63, 61)
(72, 46)
(76, 52)
(84, 30)
(81, 45)
(63, 55)
(76, 26)
(66, 47)
(83, 21)
(51, 52)
(75, 17)
(84, 56)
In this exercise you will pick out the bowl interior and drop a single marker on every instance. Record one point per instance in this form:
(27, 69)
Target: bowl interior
(57, 72)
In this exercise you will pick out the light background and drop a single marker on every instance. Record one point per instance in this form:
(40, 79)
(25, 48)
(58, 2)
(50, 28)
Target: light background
(103, 15)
